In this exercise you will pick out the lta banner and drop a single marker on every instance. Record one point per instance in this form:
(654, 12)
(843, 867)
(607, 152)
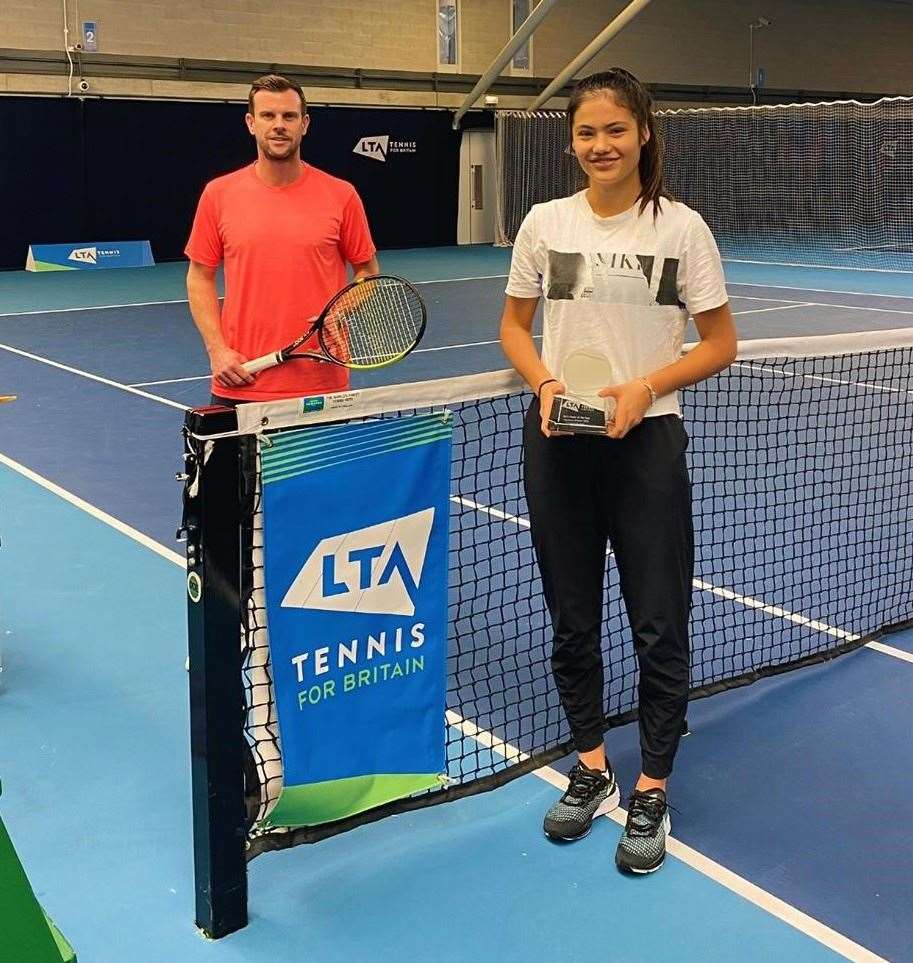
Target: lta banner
(356, 521)
(95, 256)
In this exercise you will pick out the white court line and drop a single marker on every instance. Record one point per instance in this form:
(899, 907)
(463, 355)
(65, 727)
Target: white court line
(690, 857)
(468, 344)
(146, 304)
(787, 306)
(91, 307)
(766, 369)
(450, 347)
(890, 650)
(857, 307)
(787, 287)
(480, 277)
(170, 381)
(727, 594)
(95, 512)
(784, 303)
(93, 377)
(817, 267)
(494, 512)
(443, 347)
(903, 248)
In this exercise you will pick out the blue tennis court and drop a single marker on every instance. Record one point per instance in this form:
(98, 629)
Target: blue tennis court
(789, 836)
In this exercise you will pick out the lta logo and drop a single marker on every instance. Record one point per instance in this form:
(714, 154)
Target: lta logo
(373, 147)
(375, 570)
(86, 255)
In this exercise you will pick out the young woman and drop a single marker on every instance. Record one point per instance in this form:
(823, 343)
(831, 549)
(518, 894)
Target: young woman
(621, 267)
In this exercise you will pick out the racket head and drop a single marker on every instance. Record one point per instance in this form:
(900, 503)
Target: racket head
(373, 322)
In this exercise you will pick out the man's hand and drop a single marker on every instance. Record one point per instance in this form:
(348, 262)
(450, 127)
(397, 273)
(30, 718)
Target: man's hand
(227, 367)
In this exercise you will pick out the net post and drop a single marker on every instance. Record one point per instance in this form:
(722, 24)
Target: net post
(212, 513)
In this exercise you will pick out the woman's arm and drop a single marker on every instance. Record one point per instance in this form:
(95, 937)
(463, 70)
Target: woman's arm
(520, 349)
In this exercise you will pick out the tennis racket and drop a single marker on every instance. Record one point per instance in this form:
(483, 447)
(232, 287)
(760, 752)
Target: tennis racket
(370, 323)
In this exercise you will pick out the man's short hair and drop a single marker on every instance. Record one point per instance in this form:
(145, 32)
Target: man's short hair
(277, 85)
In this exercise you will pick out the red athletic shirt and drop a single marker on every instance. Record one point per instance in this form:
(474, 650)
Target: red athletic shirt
(285, 251)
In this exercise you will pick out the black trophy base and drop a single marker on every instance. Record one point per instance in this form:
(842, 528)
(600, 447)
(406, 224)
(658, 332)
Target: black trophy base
(573, 416)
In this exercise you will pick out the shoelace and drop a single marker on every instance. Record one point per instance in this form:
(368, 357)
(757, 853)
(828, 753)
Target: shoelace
(645, 814)
(583, 785)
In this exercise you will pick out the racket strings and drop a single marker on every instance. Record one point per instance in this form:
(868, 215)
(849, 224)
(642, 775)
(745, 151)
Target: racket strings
(373, 323)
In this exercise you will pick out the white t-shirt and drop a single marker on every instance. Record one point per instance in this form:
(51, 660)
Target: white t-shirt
(622, 286)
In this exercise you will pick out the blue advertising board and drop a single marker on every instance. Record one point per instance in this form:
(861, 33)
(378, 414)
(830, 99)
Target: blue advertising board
(90, 256)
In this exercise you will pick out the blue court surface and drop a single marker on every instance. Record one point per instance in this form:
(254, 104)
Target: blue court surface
(792, 796)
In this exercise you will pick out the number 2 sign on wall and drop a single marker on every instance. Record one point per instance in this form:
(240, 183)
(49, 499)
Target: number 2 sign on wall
(90, 36)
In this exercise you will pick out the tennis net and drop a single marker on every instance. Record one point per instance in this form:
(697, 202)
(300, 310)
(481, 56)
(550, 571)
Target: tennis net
(801, 467)
(818, 184)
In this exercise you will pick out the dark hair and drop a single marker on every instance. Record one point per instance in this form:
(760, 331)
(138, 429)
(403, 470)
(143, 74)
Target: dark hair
(277, 85)
(630, 93)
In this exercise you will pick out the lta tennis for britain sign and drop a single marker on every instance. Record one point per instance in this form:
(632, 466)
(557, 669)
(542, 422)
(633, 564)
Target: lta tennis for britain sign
(89, 257)
(381, 146)
(356, 522)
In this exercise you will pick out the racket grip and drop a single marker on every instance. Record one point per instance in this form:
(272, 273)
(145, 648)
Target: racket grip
(266, 361)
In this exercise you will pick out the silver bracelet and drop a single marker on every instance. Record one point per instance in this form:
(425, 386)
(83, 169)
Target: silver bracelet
(649, 388)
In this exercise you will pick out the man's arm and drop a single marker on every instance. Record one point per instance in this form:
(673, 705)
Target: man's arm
(366, 269)
(226, 363)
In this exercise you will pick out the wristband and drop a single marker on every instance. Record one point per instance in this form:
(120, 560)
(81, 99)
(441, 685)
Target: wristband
(649, 388)
(547, 381)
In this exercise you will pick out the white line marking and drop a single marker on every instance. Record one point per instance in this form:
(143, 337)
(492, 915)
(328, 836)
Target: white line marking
(787, 287)
(468, 344)
(97, 513)
(489, 740)
(890, 650)
(480, 277)
(893, 248)
(766, 369)
(443, 347)
(146, 304)
(450, 347)
(93, 377)
(787, 306)
(785, 303)
(749, 297)
(494, 512)
(702, 586)
(753, 603)
(817, 267)
(690, 857)
(170, 381)
(91, 307)
(857, 307)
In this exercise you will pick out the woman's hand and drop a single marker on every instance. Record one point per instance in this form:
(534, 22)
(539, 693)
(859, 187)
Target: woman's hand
(546, 395)
(632, 400)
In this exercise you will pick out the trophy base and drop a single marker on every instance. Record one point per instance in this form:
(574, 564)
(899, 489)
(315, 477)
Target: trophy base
(577, 417)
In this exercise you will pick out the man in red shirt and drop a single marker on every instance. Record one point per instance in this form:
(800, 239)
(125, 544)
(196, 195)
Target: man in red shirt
(285, 232)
